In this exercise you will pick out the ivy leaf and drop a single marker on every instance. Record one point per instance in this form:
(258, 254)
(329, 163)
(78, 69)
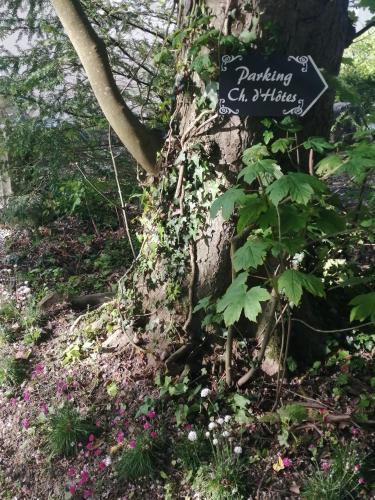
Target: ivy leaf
(227, 201)
(233, 301)
(251, 254)
(254, 297)
(267, 136)
(364, 307)
(292, 282)
(281, 145)
(247, 36)
(202, 304)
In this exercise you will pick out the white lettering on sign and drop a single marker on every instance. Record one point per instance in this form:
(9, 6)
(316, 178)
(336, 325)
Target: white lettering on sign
(237, 95)
(266, 76)
(273, 95)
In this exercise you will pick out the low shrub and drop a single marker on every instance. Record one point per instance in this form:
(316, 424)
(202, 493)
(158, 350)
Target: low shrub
(67, 429)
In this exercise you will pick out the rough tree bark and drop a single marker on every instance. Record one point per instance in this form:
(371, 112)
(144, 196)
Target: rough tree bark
(320, 28)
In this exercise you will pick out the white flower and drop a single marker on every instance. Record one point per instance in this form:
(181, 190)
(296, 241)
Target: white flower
(207, 434)
(205, 392)
(225, 434)
(192, 436)
(227, 418)
(215, 441)
(237, 450)
(108, 461)
(220, 421)
(211, 426)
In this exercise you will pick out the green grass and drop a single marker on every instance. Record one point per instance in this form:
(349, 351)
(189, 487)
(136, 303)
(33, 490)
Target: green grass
(190, 454)
(141, 461)
(9, 311)
(340, 481)
(220, 481)
(12, 371)
(66, 429)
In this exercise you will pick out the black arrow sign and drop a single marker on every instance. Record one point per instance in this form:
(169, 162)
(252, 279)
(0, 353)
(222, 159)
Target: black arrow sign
(269, 86)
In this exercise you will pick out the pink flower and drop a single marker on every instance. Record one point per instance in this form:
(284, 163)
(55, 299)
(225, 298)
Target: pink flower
(25, 423)
(71, 472)
(44, 408)
(26, 396)
(325, 466)
(151, 414)
(147, 426)
(13, 401)
(312, 446)
(38, 369)
(72, 489)
(188, 427)
(87, 494)
(61, 387)
(357, 468)
(355, 431)
(153, 434)
(89, 446)
(361, 480)
(119, 437)
(132, 444)
(96, 452)
(84, 476)
(101, 465)
(121, 412)
(287, 462)
(91, 438)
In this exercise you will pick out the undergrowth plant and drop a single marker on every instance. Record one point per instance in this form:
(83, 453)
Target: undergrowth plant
(67, 429)
(141, 457)
(289, 224)
(12, 371)
(338, 478)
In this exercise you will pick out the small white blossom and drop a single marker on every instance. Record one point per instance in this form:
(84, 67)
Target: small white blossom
(220, 421)
(211, 426)
(108, 461)
(192, 436)
(215, 441)
(227, 418)
(205, 392)
(225, 434)
(207, 434)
(237, 450)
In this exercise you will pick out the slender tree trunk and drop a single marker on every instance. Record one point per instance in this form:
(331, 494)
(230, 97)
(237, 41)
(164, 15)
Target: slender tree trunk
(140, 142)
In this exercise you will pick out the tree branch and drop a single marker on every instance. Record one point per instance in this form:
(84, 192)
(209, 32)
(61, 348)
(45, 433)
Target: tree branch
(91, 50)
(368, 26)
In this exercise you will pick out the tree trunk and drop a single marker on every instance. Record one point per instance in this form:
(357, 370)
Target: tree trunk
(320, 28)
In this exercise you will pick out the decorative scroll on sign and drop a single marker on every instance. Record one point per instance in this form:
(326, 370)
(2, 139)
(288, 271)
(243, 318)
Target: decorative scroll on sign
(254, 85)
